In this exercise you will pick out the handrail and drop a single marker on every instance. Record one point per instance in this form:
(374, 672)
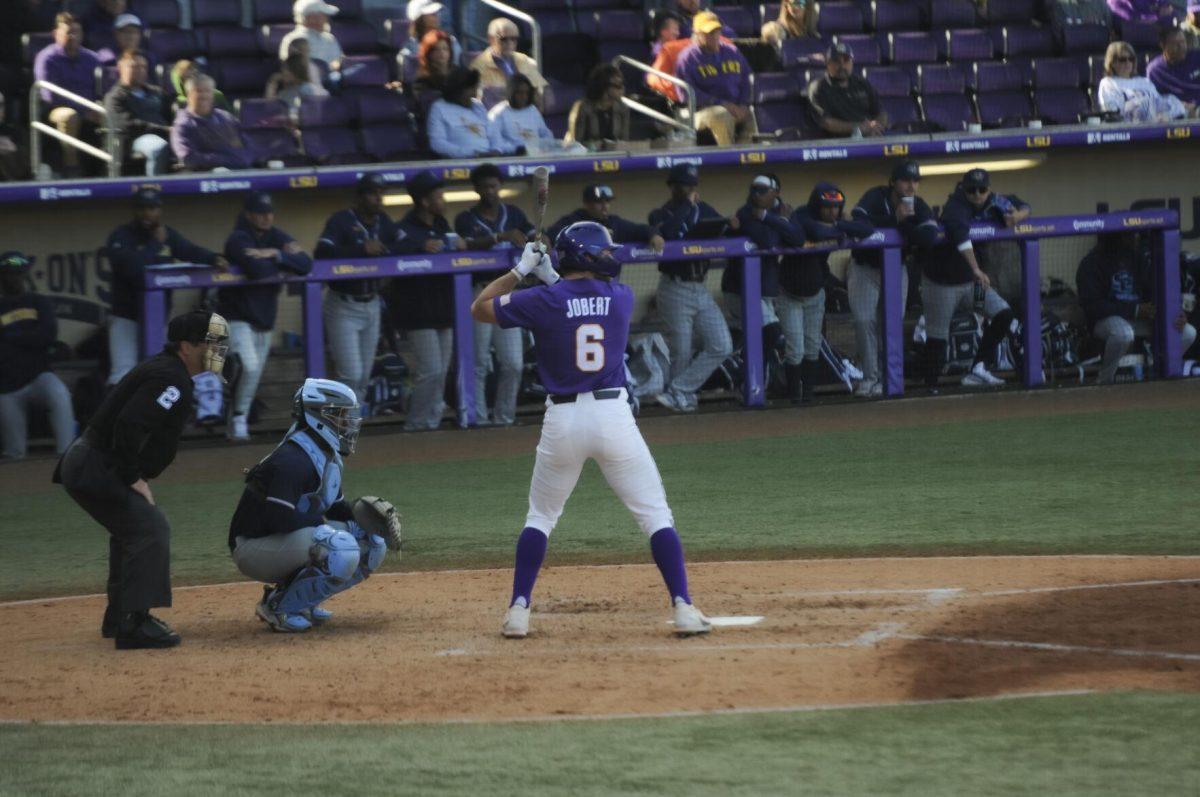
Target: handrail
(691, 95)
(37, 126)
(535, 28)
(646, 110)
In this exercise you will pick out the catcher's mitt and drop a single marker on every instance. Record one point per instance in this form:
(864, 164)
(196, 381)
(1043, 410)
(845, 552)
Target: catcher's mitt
(378, 516)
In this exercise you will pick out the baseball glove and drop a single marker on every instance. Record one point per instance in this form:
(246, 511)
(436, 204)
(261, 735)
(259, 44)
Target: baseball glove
(378, 516)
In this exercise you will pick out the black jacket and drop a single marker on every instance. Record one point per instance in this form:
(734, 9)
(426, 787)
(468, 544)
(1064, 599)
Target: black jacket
(421, 302)
(674, 222)
(804, 275)
(944, 263)
(28, 327)
(345, 235)
(623, 231)
(258, 304)
(130, 248)
(919, 230)
(136, 113)
(772, 231)
(1113, 280)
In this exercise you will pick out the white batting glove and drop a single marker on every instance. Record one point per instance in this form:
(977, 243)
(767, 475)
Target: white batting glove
(545, 271)
(530, 258)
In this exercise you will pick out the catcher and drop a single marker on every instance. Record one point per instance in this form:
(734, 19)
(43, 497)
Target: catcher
(293, 528)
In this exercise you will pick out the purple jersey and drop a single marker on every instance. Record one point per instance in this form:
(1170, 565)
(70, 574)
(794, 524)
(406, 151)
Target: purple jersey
(580, 328)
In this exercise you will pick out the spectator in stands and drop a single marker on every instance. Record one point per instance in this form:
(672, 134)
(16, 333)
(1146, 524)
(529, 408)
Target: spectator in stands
(424, 306)
(423, 20)
(599, 120)
(1190, 27)
(1116, 285)
(797, 19)
(28, 328)
(261, 250)
(666, 30)
(764, 219)
(183, 71)
(685, 303)
(843, 103)
(597, 204)
(500, 61)
(720, 76)
(144, 241)
(14, 161)
(458, 124)
(312, 23)
(297, 77)
(99, 20)
(71, 66)
(204, 137)
(352, 307)
(136, 113)
(1156, 12)
(955, 281)
(518, 123)
(801, 302)
(1177, 70)
(434, 65)
(126, 35)
(685, 11)
(1135, 98)
(665, 60)
(892, 206)
(492, 224)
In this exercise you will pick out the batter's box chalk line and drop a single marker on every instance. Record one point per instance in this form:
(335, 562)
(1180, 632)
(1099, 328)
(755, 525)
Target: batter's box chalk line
(734, 621)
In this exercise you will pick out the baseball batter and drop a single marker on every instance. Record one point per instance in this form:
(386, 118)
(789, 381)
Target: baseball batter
(580, 325)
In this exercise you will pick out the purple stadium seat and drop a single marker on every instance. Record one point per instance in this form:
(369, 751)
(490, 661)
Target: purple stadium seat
(559, 98)
(568, 57)
(1026, 40)
(952, 14)
(331, 145)
(639, 51)
(768, 12)
(1059, 73)
(259, 113)
(889, 81)
(33, 43)
(593, 4)
(840, 17)
(940, 79)
(408, 69)
(555, 22)
(622, 25)
(216, 13)
(1061, 106)
(243, 77)
(970, 44)
(896, 15)
(997, 77)
(274, 144)
(786, 120)
(168, 45)
(1142, 35)
(773, 87)
(365, 71)
(348, 9)
(323, 112)
(356, 37)
(1085, 38)
(156, 13)
(558, 124)
(1006, 12)
(900, 110)
(493, 96)
(224, 42)
(106, 78)
(950, 112)
(270, 37)
(1003, 109)
(912, 48)
(803, 52)
(270, 12)
(743, 21)
(395, 33)
(381, 108)
(864, 46)
(395, 142)
(1095, 69)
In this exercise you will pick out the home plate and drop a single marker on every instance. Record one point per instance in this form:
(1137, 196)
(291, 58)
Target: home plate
(730, 622)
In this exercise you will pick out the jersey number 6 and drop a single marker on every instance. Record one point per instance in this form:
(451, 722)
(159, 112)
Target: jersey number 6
(589, 351)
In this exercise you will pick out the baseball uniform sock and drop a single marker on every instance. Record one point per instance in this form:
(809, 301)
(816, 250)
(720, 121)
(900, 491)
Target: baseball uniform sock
(933, 360)
(997, 328)
(531, 549)
(668, 555)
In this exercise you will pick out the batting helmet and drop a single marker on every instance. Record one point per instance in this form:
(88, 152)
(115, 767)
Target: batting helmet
(587, 246)
(330, 410)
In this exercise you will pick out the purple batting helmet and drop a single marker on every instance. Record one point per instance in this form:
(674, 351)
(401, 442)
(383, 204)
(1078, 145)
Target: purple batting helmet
(587, 246)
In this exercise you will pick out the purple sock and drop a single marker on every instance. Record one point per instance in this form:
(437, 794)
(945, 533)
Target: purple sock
(668, 555)
(531, 549)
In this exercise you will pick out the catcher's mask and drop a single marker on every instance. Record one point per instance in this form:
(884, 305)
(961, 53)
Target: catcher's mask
(330, 410)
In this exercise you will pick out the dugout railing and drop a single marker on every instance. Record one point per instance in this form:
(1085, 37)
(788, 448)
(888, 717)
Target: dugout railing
(1163, 225)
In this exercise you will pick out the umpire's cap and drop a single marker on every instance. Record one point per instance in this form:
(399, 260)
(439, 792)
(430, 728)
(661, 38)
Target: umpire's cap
(906, 170)
(14, 262)
(191, 326)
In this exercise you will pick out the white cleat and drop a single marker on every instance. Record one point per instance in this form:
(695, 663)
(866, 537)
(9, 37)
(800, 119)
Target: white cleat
(689, 620)
(516, 622)
(869, 389)
(980, 376)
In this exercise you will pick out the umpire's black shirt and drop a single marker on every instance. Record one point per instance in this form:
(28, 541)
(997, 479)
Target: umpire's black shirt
(140, 420)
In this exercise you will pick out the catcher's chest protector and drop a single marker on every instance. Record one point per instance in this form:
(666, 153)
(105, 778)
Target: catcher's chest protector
(330, 469)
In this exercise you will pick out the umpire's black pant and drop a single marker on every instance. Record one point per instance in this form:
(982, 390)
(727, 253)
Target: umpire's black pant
(139, 548)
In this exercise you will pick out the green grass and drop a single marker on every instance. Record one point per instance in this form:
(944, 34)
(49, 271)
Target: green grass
(1081, 745)
(1113, 482)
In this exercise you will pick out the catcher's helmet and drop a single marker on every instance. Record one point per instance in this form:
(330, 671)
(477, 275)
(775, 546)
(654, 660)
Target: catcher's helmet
(587, 246)
(330, 410)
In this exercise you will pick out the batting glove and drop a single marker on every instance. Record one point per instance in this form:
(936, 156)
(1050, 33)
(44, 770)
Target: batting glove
(530, 258)
(545, 271)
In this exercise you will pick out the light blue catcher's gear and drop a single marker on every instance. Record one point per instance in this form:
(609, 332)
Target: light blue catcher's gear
(330, 410)
(328, 467)
(338, 561)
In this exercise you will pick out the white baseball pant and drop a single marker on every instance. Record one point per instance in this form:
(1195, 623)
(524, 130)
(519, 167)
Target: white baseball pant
(252, 347)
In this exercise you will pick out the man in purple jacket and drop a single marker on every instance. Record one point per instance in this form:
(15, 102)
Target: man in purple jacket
(68, 65)
(1155, 12)
(205, 138)
(1177, 70)
(720, 77)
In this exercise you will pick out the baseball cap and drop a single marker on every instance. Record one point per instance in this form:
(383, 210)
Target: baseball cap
(423, 184)
(706, 22)
(371, 183)
(147, 197)
(906, 170)
(684, 174)
(976, 178)
(597, 193)
(125, 20)
(13, 263)
(419, 8)
(302, 7)
(765, 182)
(839, 50)
(191, 326)
(258, 202)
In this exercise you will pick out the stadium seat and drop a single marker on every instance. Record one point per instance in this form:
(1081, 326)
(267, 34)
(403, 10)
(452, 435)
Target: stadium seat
(621, 25)
(258, 113)
(890, 81)
(355, 37)
(743, 21)
(1061, 106)
(156, 13)
(365, 71)
(242, 77)
(395, 33)
(1026, 40)
(969, 44)
(912, 48)
(236, 42)
(952, 14)
(324, 130)
(266, 130)
(994, 76)
(895, 15)
(553, 23)
(1060, 73)
(943, 97)
(779, 105)
(391, 142)
(568, 57)
(1142, 35)
(348, 9)
(1006, 12)
(168, 45)
(216, 13)
(560, 97)
(378, 108)
(803, 52)
(32, 44)
(271, 12)
(839, 17)
(1085, 38)
(106, 78)
(864, 46)
(271, 36)
(1000, 97)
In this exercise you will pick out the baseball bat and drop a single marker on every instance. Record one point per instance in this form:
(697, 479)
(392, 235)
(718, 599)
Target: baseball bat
(541, 184)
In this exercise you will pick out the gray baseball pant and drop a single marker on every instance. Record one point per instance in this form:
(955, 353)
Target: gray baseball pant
(48, 391)
(943, 301)
(510, 352)
(865, 287)
(432, 350)
(274, 558)
(122, 347)
(1118, 334)
(801, 320)
(252, 347)
(733, 306)
(352, 329)
(690, 312)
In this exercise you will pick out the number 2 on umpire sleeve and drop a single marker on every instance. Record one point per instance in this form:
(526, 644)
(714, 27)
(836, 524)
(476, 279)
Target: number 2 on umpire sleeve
(589, 350)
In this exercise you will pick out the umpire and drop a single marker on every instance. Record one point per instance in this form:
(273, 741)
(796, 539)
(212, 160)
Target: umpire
(133, 438)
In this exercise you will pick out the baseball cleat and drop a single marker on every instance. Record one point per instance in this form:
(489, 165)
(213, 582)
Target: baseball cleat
(283, 623)
(238, 432)
(142, 630)
(689, 620)
(980, 376)
(869, 389)
(668, 400)
(316, 615)
(516, 622)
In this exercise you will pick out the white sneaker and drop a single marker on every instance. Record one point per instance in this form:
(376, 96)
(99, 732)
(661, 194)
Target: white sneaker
(869, 389)
(689, 620)
(237, 429)
(688, 402)
(980, 376)
(667, 399)
(516, 622)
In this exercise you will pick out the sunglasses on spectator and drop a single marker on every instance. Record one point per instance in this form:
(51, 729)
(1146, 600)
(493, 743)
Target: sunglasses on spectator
(507, 38)
(977, 189)
(1124, 59)
(833, 198)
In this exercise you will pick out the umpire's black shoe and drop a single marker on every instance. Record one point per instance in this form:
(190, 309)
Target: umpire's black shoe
(112, 619)
(144, 630)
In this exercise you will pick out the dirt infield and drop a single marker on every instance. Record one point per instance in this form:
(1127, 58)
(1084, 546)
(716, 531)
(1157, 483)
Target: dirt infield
(426, 647)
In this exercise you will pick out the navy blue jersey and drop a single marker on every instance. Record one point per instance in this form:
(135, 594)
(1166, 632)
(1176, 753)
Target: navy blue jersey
(421, 302)
(131, 247)
(945, 263)
(623, 231)
(28, 326)
(918, 230)
(771, 231)
(258, 304)
(346, 235)
(473, 224)
(804, 275)
(675, 221)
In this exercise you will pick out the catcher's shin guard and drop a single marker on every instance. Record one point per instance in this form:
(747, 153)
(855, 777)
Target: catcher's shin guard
(334, 559)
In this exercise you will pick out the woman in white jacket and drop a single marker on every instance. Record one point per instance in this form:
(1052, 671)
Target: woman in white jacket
(518, 122)
(1135, 98)
(458, 124)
